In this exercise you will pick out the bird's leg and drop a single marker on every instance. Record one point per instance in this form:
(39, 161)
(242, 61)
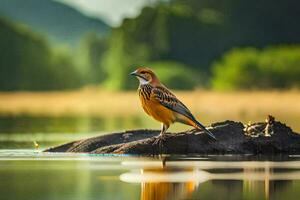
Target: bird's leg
(164, 128)
(160, 138)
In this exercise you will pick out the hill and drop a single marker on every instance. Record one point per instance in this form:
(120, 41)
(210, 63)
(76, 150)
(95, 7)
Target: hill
(57, 21)
(28, 63)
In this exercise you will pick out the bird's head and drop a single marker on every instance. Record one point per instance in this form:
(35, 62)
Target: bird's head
(145, 76)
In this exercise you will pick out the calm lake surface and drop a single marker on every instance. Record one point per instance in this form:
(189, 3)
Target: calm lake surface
(27, 173)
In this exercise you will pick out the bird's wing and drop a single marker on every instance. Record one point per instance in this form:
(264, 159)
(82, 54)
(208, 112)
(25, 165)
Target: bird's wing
(170, 101)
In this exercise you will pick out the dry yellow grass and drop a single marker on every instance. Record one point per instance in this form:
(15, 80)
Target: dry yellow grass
(207, 105)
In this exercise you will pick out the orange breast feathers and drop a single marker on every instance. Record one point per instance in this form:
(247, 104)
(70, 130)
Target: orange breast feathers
(153, 108)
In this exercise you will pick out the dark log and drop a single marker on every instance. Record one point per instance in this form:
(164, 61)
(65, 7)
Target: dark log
(270, 137)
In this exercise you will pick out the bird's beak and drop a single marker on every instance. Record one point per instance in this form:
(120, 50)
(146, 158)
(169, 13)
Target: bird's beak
(134, 73)
(138, 75)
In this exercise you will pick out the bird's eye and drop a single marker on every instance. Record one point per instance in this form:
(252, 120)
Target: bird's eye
(142, 72)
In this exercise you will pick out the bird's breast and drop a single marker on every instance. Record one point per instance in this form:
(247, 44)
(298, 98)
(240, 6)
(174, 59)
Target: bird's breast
(154, 108)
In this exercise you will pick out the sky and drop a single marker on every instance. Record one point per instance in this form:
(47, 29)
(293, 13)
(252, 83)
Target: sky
(110, 11)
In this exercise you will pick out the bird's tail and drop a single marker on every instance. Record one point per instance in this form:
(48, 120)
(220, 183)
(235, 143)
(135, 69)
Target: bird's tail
(200, 126)
(193, 122)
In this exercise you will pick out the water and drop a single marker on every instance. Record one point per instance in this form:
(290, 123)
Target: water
(22, 130)
(28, 173)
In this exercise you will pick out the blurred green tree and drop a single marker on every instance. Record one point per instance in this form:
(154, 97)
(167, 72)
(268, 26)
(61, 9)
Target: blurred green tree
(179, 77)
(173, 35)
(248, 68)
(196, 33)
(89, 57)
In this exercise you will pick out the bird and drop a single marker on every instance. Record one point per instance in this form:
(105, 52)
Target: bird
(161, 104)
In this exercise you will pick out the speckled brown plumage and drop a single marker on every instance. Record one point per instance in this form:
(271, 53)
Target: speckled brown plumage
(161, 104)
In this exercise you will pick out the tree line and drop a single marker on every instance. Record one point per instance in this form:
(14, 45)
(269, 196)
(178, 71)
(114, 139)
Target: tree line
(223, 45)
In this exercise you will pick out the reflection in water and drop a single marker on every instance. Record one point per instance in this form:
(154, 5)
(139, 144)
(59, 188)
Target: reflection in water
(171, 182)
(251, 186)
(32, 175)
(164, 183)
(157, 191)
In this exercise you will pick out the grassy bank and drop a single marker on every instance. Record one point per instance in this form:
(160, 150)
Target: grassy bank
(208, 106)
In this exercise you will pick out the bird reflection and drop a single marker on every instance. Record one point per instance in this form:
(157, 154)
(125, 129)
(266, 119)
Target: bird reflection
(165, 183)
(181, 180)
(166, 190)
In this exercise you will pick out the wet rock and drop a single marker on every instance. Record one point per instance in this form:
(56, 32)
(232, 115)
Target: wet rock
(269, 137)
